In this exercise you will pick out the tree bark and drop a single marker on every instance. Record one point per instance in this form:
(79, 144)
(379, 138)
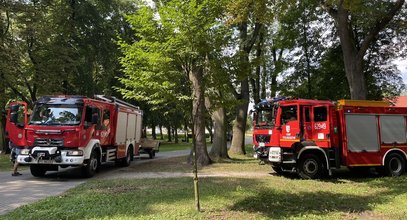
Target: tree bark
(352, 61)
(219, 148)
(239, 126)
(169, 133)
(3, 145)
(176, 135)
(198, 117)
(161, 133)
(153, 133)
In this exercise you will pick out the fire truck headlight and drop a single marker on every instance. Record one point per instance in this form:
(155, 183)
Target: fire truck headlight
(74, 153)
(25, 151)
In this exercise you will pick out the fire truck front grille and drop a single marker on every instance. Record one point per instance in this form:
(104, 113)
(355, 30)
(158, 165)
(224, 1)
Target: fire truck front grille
(49, 142)
(263, 138)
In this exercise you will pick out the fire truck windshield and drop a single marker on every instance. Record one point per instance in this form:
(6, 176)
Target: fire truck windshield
(265, 117)
(48, 114)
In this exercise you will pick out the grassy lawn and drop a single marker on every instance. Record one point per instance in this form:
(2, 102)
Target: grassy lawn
(226, 198)
(5, 164)
(265, 196)
(165, 146)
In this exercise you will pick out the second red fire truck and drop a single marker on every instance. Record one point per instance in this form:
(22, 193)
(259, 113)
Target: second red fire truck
(313, 137)
(63, 131)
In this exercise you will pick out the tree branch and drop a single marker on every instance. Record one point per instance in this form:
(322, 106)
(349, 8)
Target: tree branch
(233, 90)
(331, 11)
(250, 43)
(18, 93)
(379, 25)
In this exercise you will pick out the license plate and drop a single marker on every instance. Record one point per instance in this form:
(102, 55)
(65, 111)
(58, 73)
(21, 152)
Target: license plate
(262, 144)
(45, 161)
(41, 154)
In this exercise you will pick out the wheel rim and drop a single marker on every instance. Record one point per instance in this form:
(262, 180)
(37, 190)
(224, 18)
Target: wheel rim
(395, 165)
(128, 157)
(94, 163)
(310, 166)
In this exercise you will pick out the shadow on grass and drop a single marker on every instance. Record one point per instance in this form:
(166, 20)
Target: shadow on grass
(172, 198)
(277, 204)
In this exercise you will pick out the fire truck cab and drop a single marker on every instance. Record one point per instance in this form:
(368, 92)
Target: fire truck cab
(314, 137)
(64, 131)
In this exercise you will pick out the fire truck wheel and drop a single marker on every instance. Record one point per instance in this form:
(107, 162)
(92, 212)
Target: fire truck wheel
(151, 154)
(38, 170)
(310, 167)
(125, 162)
(277, 169)
(394, 165)
(90, 169)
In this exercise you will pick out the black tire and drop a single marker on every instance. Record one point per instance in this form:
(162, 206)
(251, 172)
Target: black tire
(394, 165)
(278, 169)
(151, 154)
(90, 169)
(125, 162)
(310, 167)
(38, 170)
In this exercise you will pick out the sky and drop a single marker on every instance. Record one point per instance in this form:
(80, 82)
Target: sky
(402, 66)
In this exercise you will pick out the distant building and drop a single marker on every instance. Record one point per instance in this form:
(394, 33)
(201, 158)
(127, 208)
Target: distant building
(399, 101)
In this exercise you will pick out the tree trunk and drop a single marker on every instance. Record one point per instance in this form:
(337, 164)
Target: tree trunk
(219, 148)
(176, 135)
(209, 127)
(3, 145)
(245, 47)
(352, 60)
(161, 132)
(198, 117)
(239, 126)
(153, 133)
(186, 132)
(169, 133)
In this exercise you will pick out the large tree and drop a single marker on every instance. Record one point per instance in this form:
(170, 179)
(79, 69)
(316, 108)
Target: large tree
(359, 24)
(175, 39)
(248, 17)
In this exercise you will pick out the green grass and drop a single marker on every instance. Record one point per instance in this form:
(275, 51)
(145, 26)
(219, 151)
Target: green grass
(165, 146)
(344, 196)
(5, 164)
(226, 198)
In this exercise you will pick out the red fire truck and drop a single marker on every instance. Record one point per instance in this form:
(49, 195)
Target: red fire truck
(313, 137)
(63, 131)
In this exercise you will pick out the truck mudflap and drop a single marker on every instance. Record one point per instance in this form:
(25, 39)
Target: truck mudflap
(52, 155)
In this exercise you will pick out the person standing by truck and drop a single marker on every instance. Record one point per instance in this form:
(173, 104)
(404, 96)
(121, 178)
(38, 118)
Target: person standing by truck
(15, 151)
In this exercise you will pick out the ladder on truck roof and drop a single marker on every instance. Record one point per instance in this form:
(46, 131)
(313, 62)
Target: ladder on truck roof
(115, 100)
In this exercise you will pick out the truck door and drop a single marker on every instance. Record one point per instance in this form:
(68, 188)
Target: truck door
(17, 119)
(306, 124)
(321, 128)
(290, 126)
